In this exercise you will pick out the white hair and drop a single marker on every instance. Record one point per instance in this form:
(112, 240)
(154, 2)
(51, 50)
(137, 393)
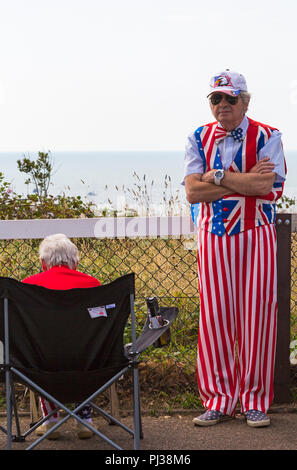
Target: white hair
(245, 97)
(57, 249)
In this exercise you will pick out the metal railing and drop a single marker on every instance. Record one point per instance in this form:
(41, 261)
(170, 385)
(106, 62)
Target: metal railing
(161, 251)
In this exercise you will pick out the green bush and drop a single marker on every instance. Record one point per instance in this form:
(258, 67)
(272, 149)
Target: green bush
(40, 204)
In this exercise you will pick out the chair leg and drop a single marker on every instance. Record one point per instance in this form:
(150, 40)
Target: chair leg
(8, 410)
(18, 437)
(7, 376)
(34, 408)
(114, 401)
(136, 404)
(139, 411)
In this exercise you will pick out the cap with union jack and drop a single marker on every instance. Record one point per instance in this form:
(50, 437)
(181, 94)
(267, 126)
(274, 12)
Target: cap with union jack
(228, 82)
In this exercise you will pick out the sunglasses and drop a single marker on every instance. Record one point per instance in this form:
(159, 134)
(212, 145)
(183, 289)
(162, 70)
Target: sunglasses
(216, 98)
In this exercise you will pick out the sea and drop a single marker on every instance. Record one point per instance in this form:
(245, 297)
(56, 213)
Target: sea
(117, 179)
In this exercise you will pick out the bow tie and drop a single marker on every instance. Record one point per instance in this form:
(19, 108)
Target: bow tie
(221, 133)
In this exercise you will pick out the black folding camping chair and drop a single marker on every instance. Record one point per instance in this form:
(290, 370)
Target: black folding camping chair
(68, 346)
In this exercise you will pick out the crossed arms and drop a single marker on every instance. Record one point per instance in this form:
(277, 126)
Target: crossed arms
(257, 182)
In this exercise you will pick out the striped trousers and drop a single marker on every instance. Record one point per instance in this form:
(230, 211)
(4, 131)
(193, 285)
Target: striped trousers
(238, 313)
(47, 407)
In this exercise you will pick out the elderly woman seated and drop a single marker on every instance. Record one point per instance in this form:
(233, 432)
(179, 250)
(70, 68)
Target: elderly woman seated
(59, 259)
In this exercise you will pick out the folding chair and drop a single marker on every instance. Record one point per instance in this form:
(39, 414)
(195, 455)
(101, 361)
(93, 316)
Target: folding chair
(68, 346)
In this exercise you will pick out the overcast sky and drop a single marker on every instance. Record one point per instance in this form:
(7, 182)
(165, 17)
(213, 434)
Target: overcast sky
(133, 74)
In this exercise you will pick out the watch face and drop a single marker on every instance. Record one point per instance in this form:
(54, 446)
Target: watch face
(219, 174)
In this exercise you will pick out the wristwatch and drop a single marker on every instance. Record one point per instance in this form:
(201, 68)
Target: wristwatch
(218, 176)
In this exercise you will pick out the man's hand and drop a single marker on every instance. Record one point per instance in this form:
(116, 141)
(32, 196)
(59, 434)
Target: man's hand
(263, 166)
(208, 177)
(201, 191)
(257, 182)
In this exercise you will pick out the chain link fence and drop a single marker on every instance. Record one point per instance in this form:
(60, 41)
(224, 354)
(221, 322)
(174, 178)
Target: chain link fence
(164, 267)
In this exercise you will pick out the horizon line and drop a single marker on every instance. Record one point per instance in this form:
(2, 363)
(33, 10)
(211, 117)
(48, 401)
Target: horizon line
(108, 150)
(94, 150)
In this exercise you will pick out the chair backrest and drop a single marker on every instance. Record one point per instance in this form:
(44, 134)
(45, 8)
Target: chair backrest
(73, 335)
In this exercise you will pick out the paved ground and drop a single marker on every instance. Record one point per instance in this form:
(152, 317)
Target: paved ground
(177, 432)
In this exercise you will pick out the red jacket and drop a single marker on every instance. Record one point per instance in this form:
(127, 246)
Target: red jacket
(62, 278)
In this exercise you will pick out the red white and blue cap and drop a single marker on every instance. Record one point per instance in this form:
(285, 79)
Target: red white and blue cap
(228, 82)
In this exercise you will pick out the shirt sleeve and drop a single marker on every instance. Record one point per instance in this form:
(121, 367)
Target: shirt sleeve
(274, 150)
(193, 162)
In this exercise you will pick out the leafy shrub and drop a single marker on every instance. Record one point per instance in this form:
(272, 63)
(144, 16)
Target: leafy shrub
(40, 204)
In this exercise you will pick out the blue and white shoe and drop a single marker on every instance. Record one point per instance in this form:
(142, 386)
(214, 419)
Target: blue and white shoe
(257, 419)
(211, 417)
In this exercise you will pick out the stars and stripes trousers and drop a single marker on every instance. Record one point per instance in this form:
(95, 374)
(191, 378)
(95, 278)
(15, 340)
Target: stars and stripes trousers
(47, 407)
(238, 313)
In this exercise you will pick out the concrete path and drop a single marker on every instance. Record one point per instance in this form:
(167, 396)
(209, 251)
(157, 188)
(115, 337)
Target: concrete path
(177, 432)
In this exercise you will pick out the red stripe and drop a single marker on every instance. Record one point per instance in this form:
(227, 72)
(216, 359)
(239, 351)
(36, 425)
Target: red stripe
(47, 407)
(265, 126)
(273, 195)
(211, 144)
(231, 223)
(250, 161)
(206, 137)
(256, 321)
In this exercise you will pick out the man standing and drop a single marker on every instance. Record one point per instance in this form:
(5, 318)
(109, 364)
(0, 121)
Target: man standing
(235, 169)
(59, 259)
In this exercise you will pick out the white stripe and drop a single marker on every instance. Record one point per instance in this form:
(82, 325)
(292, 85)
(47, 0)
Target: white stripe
(207, 144)
(266, 134)
(203, 132)
(243, 156)
(247, 303)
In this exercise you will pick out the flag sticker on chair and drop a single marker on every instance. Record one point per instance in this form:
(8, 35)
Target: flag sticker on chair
(96, 312)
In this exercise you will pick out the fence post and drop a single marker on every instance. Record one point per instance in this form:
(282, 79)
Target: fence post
(282, 361)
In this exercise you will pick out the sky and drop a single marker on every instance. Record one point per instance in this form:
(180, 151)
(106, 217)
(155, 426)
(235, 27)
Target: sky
(82, 75)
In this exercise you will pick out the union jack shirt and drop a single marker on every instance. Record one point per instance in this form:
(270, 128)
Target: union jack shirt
(235, 213)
